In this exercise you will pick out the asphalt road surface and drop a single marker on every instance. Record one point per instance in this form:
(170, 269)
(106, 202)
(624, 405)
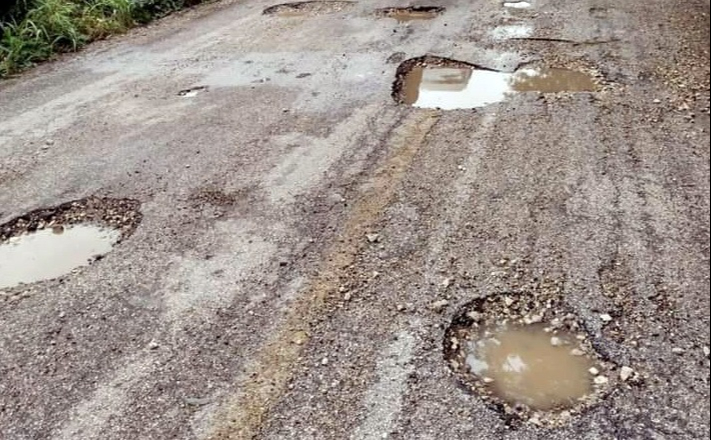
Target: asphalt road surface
(305, 241)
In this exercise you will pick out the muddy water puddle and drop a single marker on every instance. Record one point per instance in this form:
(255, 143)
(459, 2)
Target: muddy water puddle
(552, 80)
(525, 364)
(52, 252)
(527, 355)
(414, 13)
(460, 87)
(299, 9)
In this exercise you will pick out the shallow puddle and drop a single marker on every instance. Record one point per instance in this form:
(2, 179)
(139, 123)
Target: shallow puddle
(552, 80)
(52, 252)
(517, 5)
(526, 365)
(450, 88)
(404, 15)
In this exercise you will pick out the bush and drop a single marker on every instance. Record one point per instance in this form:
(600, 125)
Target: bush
(32, 30)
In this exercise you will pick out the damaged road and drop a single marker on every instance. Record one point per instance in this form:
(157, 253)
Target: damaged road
(298, 243)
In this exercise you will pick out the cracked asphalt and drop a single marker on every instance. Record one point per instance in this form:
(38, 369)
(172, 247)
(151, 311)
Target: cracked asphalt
(306, 241)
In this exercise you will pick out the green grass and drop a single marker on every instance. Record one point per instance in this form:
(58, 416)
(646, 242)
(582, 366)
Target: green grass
(35, 29)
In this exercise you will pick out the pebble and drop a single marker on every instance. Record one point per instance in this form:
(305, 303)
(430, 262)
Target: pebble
(657, 101)
(625, 373)
(533, 319)
(439, 306)
(556, 341)
(600, 380)
(508, 301)
(594, 371)
(706, 350)
(196, 401)
(678, 350)
(373, 238)
(152, 345)
(605, 317)
(324, 361)
(577, 352)
(447, 282)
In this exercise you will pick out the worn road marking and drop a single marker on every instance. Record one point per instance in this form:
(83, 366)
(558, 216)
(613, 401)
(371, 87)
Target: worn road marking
(266, 378)
(384, 400)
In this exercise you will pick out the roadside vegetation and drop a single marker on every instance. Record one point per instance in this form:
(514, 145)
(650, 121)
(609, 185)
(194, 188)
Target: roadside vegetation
(32, 30)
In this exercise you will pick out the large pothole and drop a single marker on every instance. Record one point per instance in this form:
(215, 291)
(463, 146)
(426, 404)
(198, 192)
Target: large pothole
(297, 9)
(528, 356)
(49, 243)
(411, 13)
(433, 82)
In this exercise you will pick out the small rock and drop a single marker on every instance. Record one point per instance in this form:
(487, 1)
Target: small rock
(343, 289)
(605, 317)
(324, 361)
(474, 316)
(533, 319)
(508, 301)
(577, 352)
(600, 380)
(446, 283)
(657, 101)
(678, 350)
(706, 351)
(439, 306)
(594, 371)
(153, 345)
(625, 373)
(556, 341)
(488, 380)
(196, 401)
(373, 238)
(347, 296)
(49, 142)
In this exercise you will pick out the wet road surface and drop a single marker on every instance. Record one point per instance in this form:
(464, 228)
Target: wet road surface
(306, 240)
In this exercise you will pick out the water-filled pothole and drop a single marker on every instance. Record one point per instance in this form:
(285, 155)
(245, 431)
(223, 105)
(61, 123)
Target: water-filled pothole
(432, 82)
(517, 4)
(49, 243)
(528, 357)
(552, 80)
(411, 13)
(297, 9)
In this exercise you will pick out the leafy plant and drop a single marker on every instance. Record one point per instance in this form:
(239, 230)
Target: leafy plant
(39, 28)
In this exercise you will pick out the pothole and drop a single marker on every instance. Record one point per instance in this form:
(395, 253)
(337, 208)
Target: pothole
(432, 82)
(297, 9)
(527, 356)
(411, 13)
(50, 243)
(552, 80)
